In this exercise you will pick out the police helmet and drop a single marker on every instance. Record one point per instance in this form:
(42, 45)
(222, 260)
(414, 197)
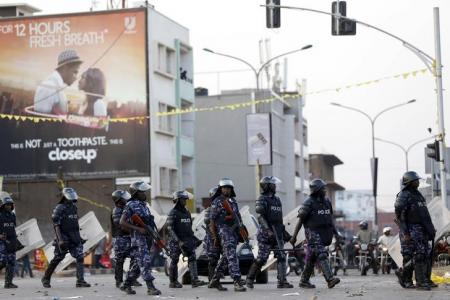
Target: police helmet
(69, 194)
(226, 182)
(120, 194)
(139, 186)
(387, 229)
(409, 177)
(316, 185)
(212, 191)
(181, 195)
(269, 183)
(5, 198)
(363, 225)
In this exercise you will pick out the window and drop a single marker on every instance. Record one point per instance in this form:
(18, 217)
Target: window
(168, 181)
(166, 60)
(166, 123)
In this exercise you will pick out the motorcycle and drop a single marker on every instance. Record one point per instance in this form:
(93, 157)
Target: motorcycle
(364, 256)
(385, 260)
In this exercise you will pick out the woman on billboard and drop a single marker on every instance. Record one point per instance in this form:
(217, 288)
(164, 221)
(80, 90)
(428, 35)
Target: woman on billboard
(93, 83)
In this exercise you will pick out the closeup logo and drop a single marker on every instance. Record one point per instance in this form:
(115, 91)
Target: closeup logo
(130, 24)
(61, 155)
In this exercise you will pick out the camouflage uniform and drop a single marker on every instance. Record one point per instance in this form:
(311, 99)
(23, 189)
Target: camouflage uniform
(139, 240)
(414, 220)
(228, 236)
(212, 251)
(122, 248)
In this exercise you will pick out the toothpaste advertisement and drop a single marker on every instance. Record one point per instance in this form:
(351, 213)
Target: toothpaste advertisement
(73, 96)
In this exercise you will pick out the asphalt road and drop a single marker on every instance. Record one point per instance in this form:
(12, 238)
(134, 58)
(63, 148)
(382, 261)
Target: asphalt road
(382, 287)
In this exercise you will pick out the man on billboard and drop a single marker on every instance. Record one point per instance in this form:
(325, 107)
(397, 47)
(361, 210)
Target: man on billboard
(50, 97)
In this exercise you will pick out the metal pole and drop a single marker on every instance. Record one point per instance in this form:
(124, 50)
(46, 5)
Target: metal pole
(440, 106)
(407, 162)
(374, 179)
(302, 141)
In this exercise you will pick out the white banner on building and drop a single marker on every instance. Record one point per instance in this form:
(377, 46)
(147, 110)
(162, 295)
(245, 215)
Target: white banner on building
(259, 139)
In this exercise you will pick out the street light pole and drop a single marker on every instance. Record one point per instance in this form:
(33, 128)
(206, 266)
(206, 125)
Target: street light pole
(405, 150)
(374, 161)
(257, 72)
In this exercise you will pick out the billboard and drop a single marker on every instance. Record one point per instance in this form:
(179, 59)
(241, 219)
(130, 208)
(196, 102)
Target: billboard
(73, 94)
(259, 139)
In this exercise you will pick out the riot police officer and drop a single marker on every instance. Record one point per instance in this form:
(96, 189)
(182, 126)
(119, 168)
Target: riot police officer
(68, 239)
(416, 229)
(212, 251)
(8, 238)
(182, 240)
(137, 205)
(316, 214)
(271, 232)
(122, 242)
(225, 222)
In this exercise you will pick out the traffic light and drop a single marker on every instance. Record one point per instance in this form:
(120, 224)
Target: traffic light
(273, 14)
(346, 27)
(434, 153)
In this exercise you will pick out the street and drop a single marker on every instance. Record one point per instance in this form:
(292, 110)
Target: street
(352, 286)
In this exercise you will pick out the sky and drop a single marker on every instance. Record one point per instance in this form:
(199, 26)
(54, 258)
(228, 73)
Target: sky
(235, 27)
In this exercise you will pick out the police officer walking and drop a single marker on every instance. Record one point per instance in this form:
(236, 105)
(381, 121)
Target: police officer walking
(416, 229)
(122, 242)
(8, 238)
(316, 214)
(224, 226)
(137, 205)
(68, 239)
(271, 232)
(182, 240)
(211, 250)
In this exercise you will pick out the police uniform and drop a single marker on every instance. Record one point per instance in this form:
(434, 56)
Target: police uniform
(270, 218)
(140, 241)
(182, 241)
(224, 227)
(8, 245)
(316, 214)
(415, 222)
(211, 250)
(122, 248)
(65, 217)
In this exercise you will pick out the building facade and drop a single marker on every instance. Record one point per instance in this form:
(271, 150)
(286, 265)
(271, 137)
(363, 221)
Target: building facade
(221, 148)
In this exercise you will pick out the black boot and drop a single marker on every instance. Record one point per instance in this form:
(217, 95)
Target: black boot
(326, 270)
(48, 274)
(408, 269)
(306, 274)
(126, 287)
(421, 274)
(136, 283)
(428, 276)
(399, 274)
(195, 282)
(215, 283)
(251, 275)
(9, 274)
(151, 289)
(212, 264)
(282, 282)
(118, 273)
(80, 275)
(238, 286)
(173, 277)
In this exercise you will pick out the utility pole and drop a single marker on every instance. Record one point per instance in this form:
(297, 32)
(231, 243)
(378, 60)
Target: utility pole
(440, 106)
